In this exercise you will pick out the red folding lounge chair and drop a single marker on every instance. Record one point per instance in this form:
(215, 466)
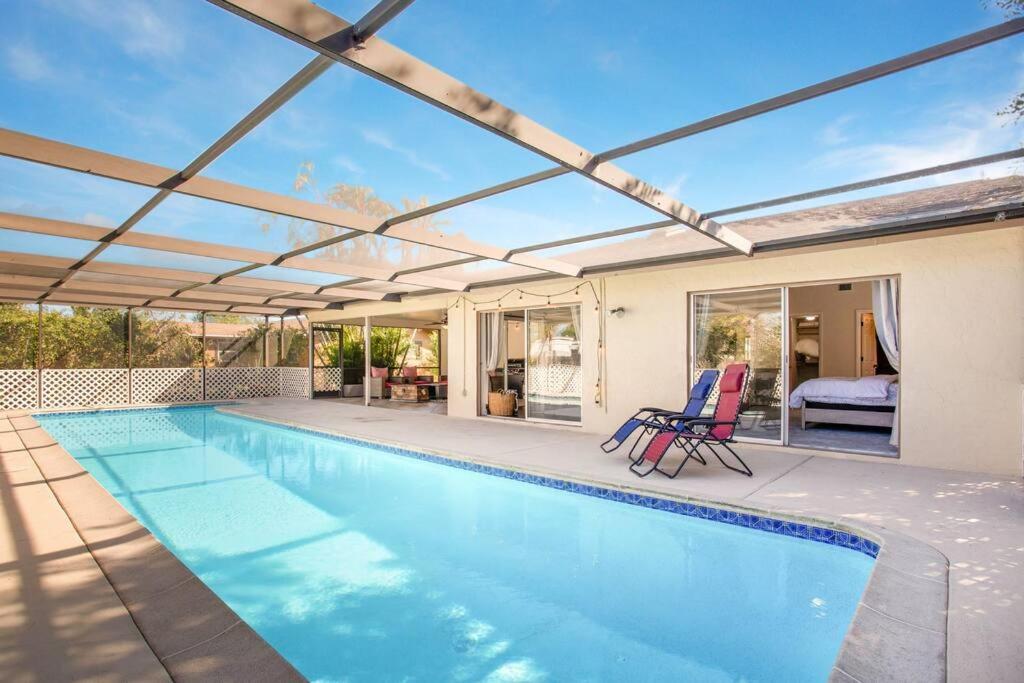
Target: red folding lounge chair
(653, 419)
(702, 433)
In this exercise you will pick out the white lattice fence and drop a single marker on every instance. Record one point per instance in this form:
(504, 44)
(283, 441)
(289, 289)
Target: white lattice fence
(19, 389)
(561, 380)
(326, 379)
(167, 385)
(294, 382)
(225, 383)
(84, 388)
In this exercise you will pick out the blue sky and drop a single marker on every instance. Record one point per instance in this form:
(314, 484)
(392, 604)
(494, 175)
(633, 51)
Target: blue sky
(158, 81)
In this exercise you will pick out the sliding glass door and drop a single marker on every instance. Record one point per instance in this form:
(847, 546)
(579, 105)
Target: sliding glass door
(554, 372)
(744, 327)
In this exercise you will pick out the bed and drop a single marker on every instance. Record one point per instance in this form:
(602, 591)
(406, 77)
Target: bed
(866, 401)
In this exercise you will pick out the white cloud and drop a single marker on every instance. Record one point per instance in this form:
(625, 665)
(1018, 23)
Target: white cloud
(835, 132)
(380, 139)
(609, 61)
(674, 186)
(93, 218)
(295, 130)
(154, 126)
(347, 164)
(484, 222)
(27, 63)
(139, 27)
(967, 131)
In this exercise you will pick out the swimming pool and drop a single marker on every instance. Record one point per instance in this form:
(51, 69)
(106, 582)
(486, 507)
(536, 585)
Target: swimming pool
(361, 564)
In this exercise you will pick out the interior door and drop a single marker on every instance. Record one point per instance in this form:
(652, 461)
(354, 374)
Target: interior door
(868, 349)
(745, 327)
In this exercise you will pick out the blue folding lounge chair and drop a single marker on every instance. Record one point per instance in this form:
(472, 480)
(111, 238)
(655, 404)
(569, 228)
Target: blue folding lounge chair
(701, 433)
(653, 419)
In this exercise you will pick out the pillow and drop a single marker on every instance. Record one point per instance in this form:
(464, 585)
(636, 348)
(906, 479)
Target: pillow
(730, 382)
(701, 390)
(876, 386)
(379, 372)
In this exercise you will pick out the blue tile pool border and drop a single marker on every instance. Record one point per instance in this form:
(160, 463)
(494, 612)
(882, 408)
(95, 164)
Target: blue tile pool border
(795, 529)
(811, 532)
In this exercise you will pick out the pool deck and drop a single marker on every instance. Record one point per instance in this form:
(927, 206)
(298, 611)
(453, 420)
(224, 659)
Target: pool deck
(87, 593)
(57, 596)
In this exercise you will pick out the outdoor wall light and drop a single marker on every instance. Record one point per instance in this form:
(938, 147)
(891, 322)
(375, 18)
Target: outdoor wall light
(618, 311)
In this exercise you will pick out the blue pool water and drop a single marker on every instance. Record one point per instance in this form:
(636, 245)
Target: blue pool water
(362, 565)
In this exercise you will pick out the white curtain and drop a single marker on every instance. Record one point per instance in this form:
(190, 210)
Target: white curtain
(492, 338)
(885, 304)
(574, 311)
(491, 342)
(885, 298)
(702, 309)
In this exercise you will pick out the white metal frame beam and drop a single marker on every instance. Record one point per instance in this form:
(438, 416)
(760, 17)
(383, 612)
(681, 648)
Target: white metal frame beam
(71, 157)
(319, 30)
(300, 80)
(354, 46)
(836, 84)
(768, 203)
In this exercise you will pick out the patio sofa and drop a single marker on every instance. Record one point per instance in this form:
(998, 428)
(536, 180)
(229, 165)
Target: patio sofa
(381, 381)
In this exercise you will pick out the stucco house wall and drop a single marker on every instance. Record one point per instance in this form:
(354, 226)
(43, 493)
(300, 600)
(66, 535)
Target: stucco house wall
(962, 335)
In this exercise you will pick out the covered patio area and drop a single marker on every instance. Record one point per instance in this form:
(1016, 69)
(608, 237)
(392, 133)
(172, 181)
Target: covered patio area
(405, 368)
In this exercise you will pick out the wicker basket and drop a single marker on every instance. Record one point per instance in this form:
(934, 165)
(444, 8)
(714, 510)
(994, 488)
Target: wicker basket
(503, 405)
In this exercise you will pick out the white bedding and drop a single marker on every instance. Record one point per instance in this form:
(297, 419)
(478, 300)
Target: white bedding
(878, 390)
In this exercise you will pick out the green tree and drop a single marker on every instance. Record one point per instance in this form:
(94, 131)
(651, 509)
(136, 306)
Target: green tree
(388, 347)
(368, 249)
(19, 328)
(164, 342)
(1012, 8)
(295, 348)
(727, 341)
(84, 337)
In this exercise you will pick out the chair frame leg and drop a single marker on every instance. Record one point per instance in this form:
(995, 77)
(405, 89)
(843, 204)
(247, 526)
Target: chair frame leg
(692, 451)
(678, 469)
(634, 467)
(644, 431)
(745, 468)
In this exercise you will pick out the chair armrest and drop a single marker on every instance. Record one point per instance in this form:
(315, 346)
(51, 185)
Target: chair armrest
(666, 416)
(709, 422)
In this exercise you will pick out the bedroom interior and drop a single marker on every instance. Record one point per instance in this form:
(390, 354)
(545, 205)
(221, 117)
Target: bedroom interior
(844, 355)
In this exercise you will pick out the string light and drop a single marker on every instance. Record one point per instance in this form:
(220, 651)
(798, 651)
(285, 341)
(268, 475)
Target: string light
(472, 306)
(522, 292)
